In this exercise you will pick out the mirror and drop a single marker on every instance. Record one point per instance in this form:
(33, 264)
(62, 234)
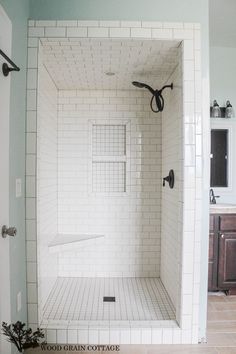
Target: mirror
(219, 158)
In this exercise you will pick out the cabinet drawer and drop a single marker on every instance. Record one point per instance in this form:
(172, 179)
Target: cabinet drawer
(228, 222)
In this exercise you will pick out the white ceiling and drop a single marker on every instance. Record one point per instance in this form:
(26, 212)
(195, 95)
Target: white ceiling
(222, 20)
(82, 63)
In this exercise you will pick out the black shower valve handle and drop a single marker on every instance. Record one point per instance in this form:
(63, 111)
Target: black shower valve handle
(170, 179)
(165, 179)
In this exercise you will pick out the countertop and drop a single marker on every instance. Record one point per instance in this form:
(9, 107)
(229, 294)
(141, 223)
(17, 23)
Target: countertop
(222, 208)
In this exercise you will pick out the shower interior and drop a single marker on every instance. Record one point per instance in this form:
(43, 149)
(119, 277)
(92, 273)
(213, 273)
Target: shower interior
(106, 227)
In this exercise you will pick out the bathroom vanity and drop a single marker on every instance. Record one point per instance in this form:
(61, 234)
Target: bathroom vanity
(222, 248)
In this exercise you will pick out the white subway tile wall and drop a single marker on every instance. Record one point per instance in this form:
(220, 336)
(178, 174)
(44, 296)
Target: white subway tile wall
(130, 221)
(188, 304)
(46, 181)
(172, 199)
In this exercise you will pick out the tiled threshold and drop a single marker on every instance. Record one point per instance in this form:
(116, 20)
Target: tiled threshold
(221, 337)
(114, 332)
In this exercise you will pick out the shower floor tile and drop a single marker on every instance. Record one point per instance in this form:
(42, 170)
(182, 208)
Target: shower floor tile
(81, 299)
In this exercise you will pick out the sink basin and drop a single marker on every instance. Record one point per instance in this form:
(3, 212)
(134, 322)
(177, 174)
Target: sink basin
(224, 208)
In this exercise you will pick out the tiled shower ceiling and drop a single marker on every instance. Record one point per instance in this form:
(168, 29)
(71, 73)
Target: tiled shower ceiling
(83, 63)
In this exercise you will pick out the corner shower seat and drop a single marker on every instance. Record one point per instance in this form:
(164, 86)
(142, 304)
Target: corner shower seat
(67, 242)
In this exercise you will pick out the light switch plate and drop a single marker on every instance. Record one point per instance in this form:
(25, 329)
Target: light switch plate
(18, 187)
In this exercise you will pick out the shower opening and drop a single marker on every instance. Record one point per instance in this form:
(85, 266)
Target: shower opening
(108, 232)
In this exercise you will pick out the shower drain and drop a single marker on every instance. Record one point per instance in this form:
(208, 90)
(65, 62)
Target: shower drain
(109, 299)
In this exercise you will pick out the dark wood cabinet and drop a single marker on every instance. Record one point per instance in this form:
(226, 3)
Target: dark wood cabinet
(227, 260)
(222, 253)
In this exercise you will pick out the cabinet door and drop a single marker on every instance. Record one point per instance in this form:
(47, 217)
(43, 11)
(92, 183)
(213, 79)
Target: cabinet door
(227, 260)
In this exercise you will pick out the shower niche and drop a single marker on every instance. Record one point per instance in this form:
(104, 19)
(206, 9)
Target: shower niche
(106, 227)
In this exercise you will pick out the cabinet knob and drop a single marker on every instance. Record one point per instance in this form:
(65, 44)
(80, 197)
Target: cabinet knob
(222, 235)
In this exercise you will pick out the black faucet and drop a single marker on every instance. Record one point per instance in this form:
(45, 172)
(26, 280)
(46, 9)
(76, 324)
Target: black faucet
(213, 197)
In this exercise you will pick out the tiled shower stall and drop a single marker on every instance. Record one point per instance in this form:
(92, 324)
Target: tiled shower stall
(99, 222)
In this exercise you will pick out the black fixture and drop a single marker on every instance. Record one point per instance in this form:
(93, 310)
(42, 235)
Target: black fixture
(157, 94)
(109, 299)
(170, 179)
(5, 68)
(213, 197)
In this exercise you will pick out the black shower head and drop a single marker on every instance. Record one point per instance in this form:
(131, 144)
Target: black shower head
(157, 94)
(142, 85)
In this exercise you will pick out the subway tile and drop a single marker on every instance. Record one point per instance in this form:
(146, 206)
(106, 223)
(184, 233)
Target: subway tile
(162, 33)
(197, 40)
(31, 100)
(33, 42)
(133, 24)
(98, 32)
(119, 32)
(32, 58)
(156, 335)
(114, 336)
(36, 31)
(32, 78)
(32, 293)
(71, 23)
(88, 23)
(61, 336)
(31, 143)
(93, 336)
(125, 336)
(31, 122)
(182, 34)
(31, 251)
(30, 165)
(146, 336)
(167, 337)
(152, 24)
(30, 186)
(136, 336)
(30, 229)
(51, 336)
(104, 336)
(188, 50)
(77, 31)
(175, 25)
(109, 23)
(55, 31)
(30, 208)
(46, 23)
(72, 336)
(31, 272)
(32, 313)
(141, 32)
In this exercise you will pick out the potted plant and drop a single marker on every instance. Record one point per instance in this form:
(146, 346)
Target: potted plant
(22, 337)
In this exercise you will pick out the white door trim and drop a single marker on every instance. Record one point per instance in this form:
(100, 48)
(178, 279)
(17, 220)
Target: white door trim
(5, 299)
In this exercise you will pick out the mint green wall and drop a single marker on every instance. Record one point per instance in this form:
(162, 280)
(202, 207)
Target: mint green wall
(222, 87)
(223, 74)
(18, 13)
(164, 10)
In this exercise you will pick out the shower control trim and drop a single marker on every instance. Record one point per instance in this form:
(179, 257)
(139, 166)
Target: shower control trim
(8, 231)
(170, 179)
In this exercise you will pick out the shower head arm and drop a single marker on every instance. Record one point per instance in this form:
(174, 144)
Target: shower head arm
(166, 86)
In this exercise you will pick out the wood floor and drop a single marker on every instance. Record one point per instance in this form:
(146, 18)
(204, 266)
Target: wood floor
(221, 334)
